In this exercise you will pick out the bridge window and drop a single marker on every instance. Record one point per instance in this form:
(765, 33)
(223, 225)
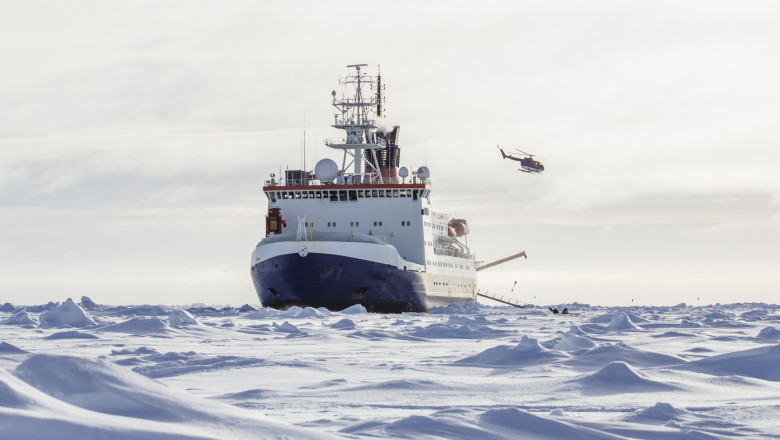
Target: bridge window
(352, 195)
(334, 196)
(395, 193)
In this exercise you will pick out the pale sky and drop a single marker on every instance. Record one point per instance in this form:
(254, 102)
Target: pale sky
(135, 138)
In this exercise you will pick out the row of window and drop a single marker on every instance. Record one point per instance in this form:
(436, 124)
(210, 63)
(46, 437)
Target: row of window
(450, 265)
(351, 195)
(435, 283)
(439, 227)
(356, 224)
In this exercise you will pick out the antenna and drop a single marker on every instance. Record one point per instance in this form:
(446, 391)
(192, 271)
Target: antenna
(378, 92)
(425, 143)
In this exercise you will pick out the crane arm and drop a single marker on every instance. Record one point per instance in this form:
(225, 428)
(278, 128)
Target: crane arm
(503, 260)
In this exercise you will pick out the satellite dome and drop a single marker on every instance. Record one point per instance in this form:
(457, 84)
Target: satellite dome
(326, 170)
(403, 172)
(423, 172)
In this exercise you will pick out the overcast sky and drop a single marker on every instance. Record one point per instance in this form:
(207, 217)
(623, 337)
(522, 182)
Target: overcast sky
(135, 137)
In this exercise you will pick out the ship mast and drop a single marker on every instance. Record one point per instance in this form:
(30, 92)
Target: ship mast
(356, 115)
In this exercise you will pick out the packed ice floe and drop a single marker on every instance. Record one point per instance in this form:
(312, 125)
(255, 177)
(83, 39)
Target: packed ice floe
(69, 314)
(86, 370)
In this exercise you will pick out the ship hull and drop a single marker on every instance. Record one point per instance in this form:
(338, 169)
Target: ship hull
(336, 280)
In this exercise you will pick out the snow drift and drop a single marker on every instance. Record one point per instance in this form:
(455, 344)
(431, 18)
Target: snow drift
(760, 363)
(617, 377)
(100, 386)
(602, 355)
(21, 317)
(68, 314)
(526, 353)
(140, 326)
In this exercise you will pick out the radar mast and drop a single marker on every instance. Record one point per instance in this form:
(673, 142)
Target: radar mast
(357, 112)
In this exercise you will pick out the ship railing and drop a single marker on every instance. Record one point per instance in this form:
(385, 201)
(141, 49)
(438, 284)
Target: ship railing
(341, 141)
(373, 179)
(335, 141)
(451, 253)
(506, 299)
(348, 179)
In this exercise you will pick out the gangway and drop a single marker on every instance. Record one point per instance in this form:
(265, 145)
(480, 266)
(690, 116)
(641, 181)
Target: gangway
(500, 298)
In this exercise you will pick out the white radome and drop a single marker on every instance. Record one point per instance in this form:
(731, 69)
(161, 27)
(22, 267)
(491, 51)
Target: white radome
(326, 170)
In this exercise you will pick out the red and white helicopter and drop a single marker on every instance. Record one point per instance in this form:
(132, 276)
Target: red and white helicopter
(527, 164)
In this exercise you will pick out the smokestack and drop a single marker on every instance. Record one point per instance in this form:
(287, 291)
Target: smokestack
(388, 158)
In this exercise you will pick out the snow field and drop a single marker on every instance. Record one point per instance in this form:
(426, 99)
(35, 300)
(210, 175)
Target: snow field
(476, 371)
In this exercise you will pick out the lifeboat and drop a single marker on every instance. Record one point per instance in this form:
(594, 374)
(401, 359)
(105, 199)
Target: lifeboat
(458, 227)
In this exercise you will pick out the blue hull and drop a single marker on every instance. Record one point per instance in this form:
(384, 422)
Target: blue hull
(337, 282)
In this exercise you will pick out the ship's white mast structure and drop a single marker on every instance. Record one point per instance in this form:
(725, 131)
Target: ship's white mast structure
(357, 116)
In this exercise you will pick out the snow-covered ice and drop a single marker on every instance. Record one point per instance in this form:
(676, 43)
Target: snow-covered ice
(92, 371)
(68, 314)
